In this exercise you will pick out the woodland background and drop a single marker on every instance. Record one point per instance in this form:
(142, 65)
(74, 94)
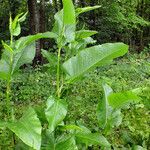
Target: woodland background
(116, 20)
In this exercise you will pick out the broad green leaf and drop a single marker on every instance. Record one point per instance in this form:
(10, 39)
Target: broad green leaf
(22, 57)
(119, 100)
(23, 52)
(28, 129)
(103, 107)
(84, 33)
(55, 112)
(69, 33)
(89, 58)
(58, 28)
(65, 32)
(92, 139)
(84, 129)
(25, 49)
(58, 25)
(25, 41)
(66, 143)
(15, 28)
(85, 9)
(69, 20)
(68, 12)
(4, 69)
(116, 118)
(78, 45)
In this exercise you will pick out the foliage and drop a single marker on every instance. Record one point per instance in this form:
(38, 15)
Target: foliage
(126, 21)
(29, 124)
(61, 135)
(16, 54)
(32, 88)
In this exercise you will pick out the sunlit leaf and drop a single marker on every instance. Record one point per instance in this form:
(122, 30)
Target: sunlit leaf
(119, 100)
(17, 30)
(22, 53)
(103, 107)
(24, 41)
(92, 139)
(22, 57)
(28, 129)
(55, 112)
(4, 69)
(69, 33)
(89, 58)
(58, 25)
(69, 20)
(68, 12)
(66, 143)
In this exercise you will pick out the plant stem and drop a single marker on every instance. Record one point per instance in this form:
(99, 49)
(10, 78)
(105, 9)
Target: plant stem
(58, 74)
(11, 40)
(8, 86)
(8, 105)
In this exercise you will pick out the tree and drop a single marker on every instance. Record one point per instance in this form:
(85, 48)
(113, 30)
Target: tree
(37, 23)
(34, 22)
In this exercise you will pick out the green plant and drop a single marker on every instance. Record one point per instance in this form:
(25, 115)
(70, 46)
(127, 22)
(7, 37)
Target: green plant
(109, 108)
(16, 54)
(77, 61)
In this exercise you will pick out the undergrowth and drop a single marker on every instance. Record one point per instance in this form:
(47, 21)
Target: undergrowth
(33, 86)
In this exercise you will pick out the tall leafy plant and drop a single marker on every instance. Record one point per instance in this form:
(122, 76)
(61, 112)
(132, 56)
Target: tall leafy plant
(78, 60)
(109, 108)
(15, 54)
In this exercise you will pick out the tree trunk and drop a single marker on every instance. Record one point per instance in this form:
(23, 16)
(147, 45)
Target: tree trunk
(60, 4)
(34, 24)
(42, 21)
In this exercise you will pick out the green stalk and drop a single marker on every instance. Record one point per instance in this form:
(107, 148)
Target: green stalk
(8, 105)
(11, 40)
(8, 86)
(58, 74)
